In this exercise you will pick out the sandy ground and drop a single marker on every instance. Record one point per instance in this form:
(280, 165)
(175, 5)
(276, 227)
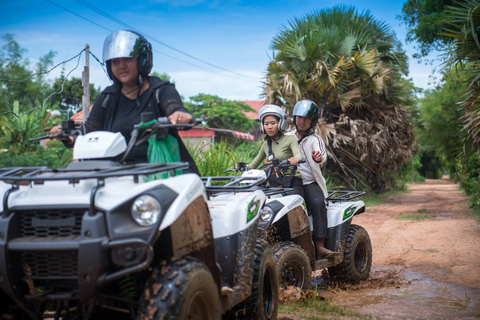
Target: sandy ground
(443, 248)
(431, 265)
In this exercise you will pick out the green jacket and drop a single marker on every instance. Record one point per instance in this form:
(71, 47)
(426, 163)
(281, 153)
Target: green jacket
(284, 148)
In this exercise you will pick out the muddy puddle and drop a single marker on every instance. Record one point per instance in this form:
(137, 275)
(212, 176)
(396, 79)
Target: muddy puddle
(399, 292)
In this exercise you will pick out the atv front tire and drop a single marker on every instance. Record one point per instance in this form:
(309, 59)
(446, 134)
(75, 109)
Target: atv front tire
(263, 301)
(357, 260)
(293, 266)
(181, 289)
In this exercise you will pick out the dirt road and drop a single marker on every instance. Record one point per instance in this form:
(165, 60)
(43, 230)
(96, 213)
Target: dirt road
(423, 269)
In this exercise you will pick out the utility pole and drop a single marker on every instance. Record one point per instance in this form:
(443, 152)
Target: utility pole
(86, 84)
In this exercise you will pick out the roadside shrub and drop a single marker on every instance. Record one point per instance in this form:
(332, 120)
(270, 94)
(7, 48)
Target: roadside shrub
(54, 156)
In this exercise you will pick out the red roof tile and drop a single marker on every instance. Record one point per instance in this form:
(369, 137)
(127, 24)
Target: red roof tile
(196, 132)
(255, 104)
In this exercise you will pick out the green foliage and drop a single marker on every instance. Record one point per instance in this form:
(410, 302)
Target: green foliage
(221, 113)
(164, 76)
(70, 97)
(14, 69)
(16, 131)
(426, 19)
(464, 55)
(440, 133)
(219, 157)
(468, 174)
(54, 156)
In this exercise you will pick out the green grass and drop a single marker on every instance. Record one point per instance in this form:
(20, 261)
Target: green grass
(416, 217)
(422, 210)
(374, 199)
(314, 307)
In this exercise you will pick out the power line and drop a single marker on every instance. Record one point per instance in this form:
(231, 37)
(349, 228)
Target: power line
(108, 16)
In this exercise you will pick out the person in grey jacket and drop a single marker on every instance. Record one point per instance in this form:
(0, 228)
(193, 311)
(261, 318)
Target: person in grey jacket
(305, 117)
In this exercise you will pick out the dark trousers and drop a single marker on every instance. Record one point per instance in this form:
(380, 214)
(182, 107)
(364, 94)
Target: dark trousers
(313, 196)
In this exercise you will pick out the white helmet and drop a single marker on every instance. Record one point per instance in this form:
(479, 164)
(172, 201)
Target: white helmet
(277, 112)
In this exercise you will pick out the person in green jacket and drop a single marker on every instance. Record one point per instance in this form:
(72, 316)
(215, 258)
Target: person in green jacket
(273, 122)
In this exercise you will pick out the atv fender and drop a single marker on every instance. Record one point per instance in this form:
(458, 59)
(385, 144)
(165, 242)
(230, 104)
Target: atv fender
(191, 235)
(293, 226)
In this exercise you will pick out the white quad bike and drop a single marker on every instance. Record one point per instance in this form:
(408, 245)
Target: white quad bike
(286, 225)
(97, 240)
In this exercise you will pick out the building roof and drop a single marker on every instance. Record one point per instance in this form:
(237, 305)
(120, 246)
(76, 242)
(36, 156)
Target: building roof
(78, 117)
(255, 104)
(196, 132)
(199, 132)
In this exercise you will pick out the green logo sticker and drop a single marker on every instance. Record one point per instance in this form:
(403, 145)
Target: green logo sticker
(253, 208)
(349, 211)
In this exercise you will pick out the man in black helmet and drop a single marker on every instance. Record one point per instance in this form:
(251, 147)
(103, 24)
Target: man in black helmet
(305, 118)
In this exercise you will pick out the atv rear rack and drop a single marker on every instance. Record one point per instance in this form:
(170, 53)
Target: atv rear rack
(77, 171)
(343, 195)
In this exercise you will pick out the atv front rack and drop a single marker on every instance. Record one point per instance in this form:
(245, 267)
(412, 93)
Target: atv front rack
(239, 184)
(343, 195)
(77, 171)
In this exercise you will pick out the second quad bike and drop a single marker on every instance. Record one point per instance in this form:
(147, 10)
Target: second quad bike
(286, 225)
(101, 239)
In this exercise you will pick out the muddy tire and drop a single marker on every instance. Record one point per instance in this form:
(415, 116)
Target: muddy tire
(357, 260)
(263, 301)
(181, 289)
(293, 266)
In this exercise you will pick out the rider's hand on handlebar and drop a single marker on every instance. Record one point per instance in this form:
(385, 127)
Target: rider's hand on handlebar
(56, 130)
(180, 117)
(56, 133)
(294, 160)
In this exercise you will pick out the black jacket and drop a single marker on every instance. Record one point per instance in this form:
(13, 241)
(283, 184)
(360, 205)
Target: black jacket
(161, 98)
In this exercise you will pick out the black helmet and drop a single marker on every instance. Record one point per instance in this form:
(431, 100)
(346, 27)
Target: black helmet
(306, 108)
(128, 44)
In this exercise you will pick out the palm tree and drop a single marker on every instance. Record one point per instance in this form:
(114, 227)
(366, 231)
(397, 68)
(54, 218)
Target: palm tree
(351, 65)
(464, 55)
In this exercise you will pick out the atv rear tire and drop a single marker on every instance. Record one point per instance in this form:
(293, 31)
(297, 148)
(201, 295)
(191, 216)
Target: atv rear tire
(357, 260)
(181, 289)
(263, 301)
(293, 266)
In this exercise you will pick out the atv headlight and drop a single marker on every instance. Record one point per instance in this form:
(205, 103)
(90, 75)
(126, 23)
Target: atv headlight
(266, 214)
(146, 210)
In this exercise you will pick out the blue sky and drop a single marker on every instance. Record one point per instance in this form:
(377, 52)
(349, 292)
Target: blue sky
(234, 35)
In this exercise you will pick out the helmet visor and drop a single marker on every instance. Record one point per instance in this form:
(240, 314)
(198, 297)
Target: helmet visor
(122, 44)
(305, 108)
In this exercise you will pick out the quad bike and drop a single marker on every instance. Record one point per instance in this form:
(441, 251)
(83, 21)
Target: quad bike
(101, 239)
(286, 225)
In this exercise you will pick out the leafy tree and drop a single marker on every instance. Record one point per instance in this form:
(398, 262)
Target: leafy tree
(445, 142)
(221, 113)
(18, 80)
(352, 65)
(16, 131)
(164, 76)
(464, 55)
(426, 20)
(70, 96)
